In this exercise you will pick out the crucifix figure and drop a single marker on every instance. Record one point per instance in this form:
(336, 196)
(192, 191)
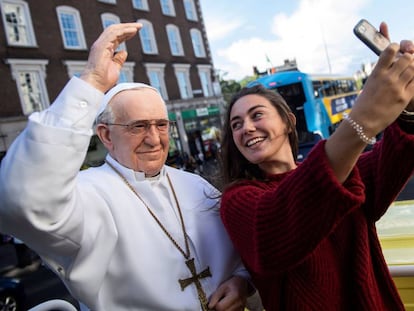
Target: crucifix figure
(195, 278)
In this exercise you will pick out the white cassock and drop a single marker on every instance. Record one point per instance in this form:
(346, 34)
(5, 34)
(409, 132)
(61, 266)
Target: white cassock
(93, 231)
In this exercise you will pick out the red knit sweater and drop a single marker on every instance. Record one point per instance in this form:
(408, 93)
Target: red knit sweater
(309, 242)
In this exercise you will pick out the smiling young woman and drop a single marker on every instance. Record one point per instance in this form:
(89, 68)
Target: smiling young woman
(306, 231)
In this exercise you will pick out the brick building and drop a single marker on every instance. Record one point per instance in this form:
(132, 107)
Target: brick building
(43, 43)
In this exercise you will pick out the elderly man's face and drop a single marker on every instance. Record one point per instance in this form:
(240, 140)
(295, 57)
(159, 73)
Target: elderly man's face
(147, 150)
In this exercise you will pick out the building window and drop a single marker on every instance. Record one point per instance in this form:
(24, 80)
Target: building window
(30, 78)
(204, 72)
(167, 7)
(127, 72)
(155, 73)
(190, 10)
(71, 28)
(17, 23)
(75, 68)
(109, 19)
(140, 5)
(197, 41)
(182, 73)
(174, 40)
(146, 34)
(108, 1)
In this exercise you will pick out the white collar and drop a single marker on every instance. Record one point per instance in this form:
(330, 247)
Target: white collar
(132, 175)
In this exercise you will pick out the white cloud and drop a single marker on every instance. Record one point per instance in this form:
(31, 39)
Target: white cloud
(239, 58)
(220, 28)
(317, 34)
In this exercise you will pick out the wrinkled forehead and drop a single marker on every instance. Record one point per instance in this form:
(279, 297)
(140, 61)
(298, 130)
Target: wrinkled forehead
(138, 104)
(121, 87)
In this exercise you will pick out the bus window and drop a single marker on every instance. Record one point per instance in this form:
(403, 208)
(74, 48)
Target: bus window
(317, 88)
(294, 96)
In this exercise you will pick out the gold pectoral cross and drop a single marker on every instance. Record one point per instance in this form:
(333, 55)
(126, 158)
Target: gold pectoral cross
(195, 278)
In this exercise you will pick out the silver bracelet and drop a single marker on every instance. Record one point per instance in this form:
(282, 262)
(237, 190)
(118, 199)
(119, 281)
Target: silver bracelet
(360, 131)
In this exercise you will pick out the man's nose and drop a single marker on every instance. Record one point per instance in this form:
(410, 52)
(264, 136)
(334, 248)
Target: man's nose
(152, 134)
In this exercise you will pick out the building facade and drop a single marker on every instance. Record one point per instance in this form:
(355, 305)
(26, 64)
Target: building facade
(44, 43)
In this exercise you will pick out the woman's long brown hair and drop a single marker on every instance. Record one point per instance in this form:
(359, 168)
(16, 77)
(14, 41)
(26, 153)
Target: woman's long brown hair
(235, 166)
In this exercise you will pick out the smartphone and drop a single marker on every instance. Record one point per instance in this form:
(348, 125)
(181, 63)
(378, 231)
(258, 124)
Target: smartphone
(368, 34)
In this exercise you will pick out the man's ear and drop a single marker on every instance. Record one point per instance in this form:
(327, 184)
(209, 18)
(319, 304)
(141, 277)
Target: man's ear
(104, 134)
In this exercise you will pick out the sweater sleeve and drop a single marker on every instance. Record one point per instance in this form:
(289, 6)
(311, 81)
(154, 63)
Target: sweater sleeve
(275, 225)
(385, 170)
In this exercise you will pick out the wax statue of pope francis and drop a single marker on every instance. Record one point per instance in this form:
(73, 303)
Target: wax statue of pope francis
(132, 234)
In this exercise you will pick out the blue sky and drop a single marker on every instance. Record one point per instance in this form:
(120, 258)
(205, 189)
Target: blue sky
(242, 33)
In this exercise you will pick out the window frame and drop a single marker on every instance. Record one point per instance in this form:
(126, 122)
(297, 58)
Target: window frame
(29, 31)
(113, 19)
(159, 70)
(144, 7)
(167, 7)
(75, 68)
(38, 67)
(185, 70)
(79, 28)
(127, 71)
(190, 10)
(147, 26)
(174, 42)
(197, 43)
(207, 89)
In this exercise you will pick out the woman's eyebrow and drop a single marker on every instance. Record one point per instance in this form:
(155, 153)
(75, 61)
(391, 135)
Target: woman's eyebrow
(248, 111)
